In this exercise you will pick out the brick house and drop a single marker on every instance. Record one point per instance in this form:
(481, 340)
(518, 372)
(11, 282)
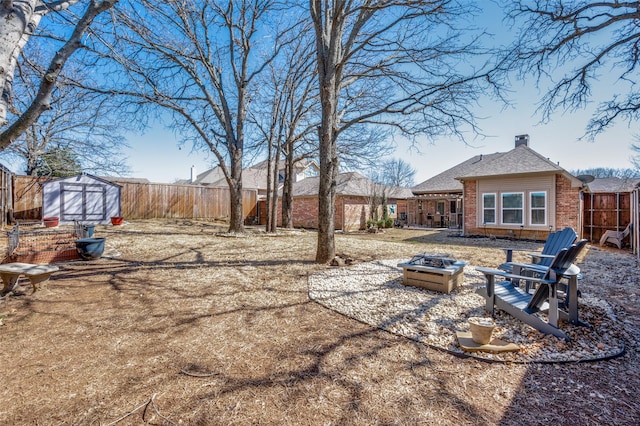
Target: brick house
(437, 202)
(354, 194)
(518, 193)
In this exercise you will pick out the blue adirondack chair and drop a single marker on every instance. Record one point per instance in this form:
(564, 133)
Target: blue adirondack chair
(556, 241)
(509, 297)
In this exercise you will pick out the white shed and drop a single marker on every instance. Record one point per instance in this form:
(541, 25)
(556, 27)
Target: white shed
(84, 198)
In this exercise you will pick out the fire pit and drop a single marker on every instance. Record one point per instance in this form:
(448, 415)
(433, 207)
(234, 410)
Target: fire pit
(433, 271)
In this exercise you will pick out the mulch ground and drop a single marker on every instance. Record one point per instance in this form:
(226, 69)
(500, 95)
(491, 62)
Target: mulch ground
(179, 323)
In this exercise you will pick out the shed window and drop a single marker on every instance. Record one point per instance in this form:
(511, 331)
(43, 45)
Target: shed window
(538, 208)
(488, 208)
(512, 208)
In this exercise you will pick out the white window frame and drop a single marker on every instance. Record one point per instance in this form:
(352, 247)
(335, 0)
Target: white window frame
(502, 208)
(495, 208)
(544, 209)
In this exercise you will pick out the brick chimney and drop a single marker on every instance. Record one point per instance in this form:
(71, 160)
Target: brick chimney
(522, 140)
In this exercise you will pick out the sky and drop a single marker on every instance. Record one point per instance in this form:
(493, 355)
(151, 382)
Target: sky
(157, 156)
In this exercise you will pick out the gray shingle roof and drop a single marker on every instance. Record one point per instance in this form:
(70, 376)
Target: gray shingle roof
(251, 179)
(613, 184)
(446, 181)
(520, 160)
(349, 183)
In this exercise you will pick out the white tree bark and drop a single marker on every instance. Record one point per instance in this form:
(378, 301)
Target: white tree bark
(18, 21)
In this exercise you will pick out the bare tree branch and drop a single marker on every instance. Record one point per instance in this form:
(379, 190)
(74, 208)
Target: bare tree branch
(581, 41)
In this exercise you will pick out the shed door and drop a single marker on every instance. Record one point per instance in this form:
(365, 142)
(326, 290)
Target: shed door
(83, 202)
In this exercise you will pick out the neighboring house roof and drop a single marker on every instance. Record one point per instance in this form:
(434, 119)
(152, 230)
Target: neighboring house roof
(251, 179)
(254, 177)
(447, 182)
(349, 183)
(207, 177)
(520, 160)
(299, 165)
(613, 184)
(117, 179)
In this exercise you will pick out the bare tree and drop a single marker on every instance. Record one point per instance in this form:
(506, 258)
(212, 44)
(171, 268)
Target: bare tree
(199, 60)
(288, 120)
(411, 52)
(635, 158)
(581, 41)
(606, 172)
(78, 122)
(18, 21)
(397, 172)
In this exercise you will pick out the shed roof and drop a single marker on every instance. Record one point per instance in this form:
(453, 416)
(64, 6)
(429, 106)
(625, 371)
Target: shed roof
(78, 177)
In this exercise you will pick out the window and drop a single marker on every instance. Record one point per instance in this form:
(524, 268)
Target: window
(512, 208)
(488, 208)
(440, 207)
(538, 208)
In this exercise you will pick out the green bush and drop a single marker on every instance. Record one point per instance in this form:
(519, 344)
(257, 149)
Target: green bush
(380, 223)
(388, 223)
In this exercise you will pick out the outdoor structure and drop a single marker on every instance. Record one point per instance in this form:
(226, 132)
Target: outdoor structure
(520, 193)
(611, 204)
(83, 198)
(254, 177)
(355, 196)
(438, 200)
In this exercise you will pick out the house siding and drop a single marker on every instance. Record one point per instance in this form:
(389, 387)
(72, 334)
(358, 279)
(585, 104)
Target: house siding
(519, 185)
(563, 205)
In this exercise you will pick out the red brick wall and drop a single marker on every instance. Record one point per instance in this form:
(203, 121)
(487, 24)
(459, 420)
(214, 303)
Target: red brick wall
(470, 207)
(567, 204)
(305, 213)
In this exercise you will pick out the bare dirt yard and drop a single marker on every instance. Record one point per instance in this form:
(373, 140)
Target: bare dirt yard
(180, 323)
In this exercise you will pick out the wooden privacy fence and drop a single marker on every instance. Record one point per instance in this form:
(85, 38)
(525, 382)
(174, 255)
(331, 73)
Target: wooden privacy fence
(6, 195)
(605, 211)
(145, 200)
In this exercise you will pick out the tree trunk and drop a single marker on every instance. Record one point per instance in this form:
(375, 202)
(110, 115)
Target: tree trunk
(287, 191)
(276, 182)
(236, 223)
(326, 249)
(267, 204)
